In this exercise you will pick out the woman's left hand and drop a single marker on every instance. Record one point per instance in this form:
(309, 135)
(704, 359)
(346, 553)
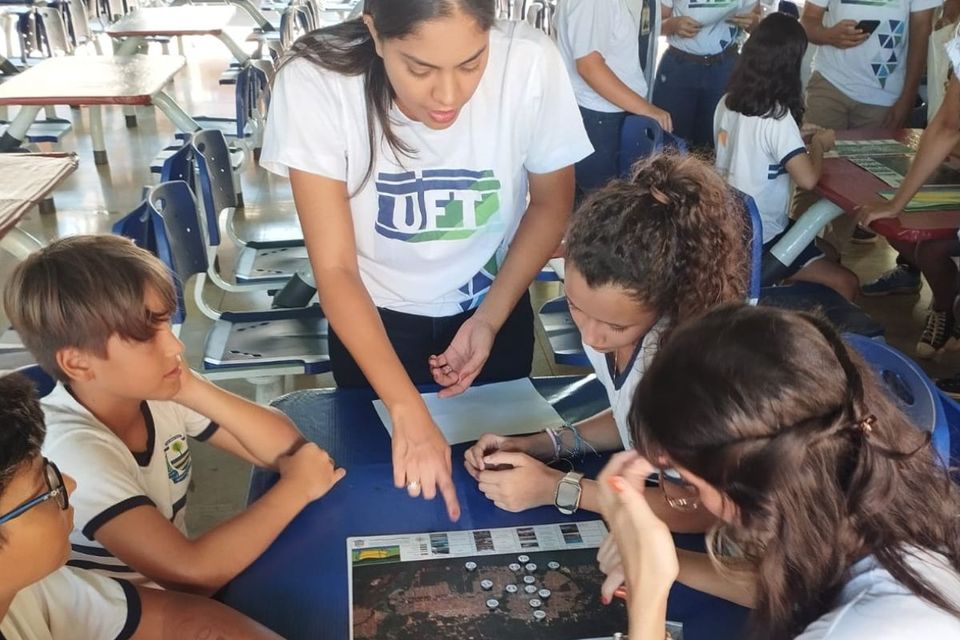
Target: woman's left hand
(644, 542)
(456, 368)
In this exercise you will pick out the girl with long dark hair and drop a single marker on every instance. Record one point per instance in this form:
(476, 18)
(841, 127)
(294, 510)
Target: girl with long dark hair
(830, 502)
(759, 146)
(430, 149)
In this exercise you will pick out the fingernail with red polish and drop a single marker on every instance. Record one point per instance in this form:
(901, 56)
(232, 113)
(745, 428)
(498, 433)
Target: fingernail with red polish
(616, 483)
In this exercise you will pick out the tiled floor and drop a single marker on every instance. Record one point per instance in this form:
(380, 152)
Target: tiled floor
(94, 197)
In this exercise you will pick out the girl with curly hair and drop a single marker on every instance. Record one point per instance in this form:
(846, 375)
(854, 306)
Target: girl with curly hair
(759, 145)
(830, 502)
(642, 256)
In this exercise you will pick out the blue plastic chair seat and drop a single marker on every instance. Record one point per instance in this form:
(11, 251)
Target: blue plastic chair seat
(808, 296)
(49, 130)
(562, 333)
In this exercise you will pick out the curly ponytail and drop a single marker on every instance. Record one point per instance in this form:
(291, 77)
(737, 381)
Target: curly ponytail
(673, 235)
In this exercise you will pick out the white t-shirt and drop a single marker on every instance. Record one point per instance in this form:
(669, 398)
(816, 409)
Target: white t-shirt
(873, 72)
(716, 34)
(75, 604)
(874, 606)
(620, 388)
(752, 155)
(432, 230)
(111, 479)
(612, 29)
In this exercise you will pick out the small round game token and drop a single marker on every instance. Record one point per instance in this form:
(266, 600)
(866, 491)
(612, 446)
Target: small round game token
(515, 567)
(486, 585)
(530, 567)
(524, 559)
(553, 565)
(511, 588)
(493, 603)
(529, 579)
(535, 603)
(539, 615)
(544, 594)
(530, 588)
(470, 566)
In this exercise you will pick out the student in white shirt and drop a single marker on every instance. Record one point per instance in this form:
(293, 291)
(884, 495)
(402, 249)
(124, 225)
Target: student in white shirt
(693, 73)
(412, 138)
(643, 256)
(40, 599)
(863, 79)
(759, 145)
(838, 521)
(599, 42)
(935, 258)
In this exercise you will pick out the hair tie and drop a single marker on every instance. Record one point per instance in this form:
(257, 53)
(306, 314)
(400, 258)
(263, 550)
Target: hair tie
(865, 425)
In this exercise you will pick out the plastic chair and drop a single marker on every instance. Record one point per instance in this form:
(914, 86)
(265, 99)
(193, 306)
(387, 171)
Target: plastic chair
(43, 381)
(256, 263)
(258, 346)
(909, 387)
(640, 137)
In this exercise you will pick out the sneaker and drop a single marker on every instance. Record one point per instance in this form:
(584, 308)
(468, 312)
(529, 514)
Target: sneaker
(863, 236)
(950, 386)
(900, 279)
(935, 333)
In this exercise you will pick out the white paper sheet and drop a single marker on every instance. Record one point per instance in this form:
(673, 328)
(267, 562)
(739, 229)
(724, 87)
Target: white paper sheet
(505, 408)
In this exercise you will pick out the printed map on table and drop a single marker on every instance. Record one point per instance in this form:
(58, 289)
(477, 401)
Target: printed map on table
(892, 169)
(847, 148)
(532, 582)
(929, 198)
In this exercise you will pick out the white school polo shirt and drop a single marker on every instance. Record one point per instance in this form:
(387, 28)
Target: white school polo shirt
(716, 34)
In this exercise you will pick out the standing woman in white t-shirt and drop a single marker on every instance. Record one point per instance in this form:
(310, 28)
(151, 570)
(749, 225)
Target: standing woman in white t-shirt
(599, 42)
(412, 137)
(693, 73)
(830, 501)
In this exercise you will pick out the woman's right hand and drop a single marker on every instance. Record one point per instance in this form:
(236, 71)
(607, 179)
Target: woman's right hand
(421, 460)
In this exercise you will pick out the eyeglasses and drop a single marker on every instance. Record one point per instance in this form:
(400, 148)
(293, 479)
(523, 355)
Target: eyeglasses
(55, 489)
(678, 493)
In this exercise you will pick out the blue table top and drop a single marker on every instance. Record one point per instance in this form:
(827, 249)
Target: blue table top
(298, 587)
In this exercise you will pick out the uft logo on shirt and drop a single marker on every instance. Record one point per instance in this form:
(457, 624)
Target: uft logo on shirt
(177, 453)
(436, 204)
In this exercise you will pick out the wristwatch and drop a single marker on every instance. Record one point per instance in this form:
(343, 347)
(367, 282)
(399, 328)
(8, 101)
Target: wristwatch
(567, 498)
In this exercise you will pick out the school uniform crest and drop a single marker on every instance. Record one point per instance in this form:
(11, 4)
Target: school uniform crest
(177, 454)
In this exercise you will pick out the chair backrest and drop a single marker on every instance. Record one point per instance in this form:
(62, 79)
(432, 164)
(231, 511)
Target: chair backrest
(181, 231)
(80, 22)
(215, 178)
(649, 42)
(756, 243)
(294, 22)
(909, 387)
(640, 137)
(43, 381)
(179, 166)
(53, 31)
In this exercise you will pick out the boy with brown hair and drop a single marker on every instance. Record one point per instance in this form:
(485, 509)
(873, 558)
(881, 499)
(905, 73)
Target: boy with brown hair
(95, 312)
(40, 599)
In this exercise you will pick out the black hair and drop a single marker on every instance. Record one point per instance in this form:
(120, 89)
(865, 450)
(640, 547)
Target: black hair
(766, 78)
(21, 427)
(349, 49)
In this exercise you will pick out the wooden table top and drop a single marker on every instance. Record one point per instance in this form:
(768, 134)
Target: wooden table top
(26, 179)
(91, 80)
(181, 20)
(849, 186)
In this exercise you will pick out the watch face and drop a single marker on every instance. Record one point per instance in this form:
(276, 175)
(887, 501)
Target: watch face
(567, 495)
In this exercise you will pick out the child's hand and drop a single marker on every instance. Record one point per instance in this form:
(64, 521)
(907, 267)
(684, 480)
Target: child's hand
(662, 117)
(608, 557)
(644, 542)
(311, 469)
(529, 484)
(190, 383)
(868, 213)
(845, 35)
(746, 21)
(488, 444)
(826, 138)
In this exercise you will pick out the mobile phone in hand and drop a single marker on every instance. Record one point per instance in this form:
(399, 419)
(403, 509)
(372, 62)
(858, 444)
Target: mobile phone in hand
(868, 26)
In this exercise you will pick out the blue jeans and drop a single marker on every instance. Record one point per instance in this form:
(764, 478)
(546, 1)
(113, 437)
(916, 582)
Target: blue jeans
(690, 91)
(603, 129)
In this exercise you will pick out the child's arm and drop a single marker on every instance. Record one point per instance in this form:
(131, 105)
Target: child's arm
(168, 615)
(698, 572)
(805, 168)
(250, 431)
(146, 541)
(595, 72)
